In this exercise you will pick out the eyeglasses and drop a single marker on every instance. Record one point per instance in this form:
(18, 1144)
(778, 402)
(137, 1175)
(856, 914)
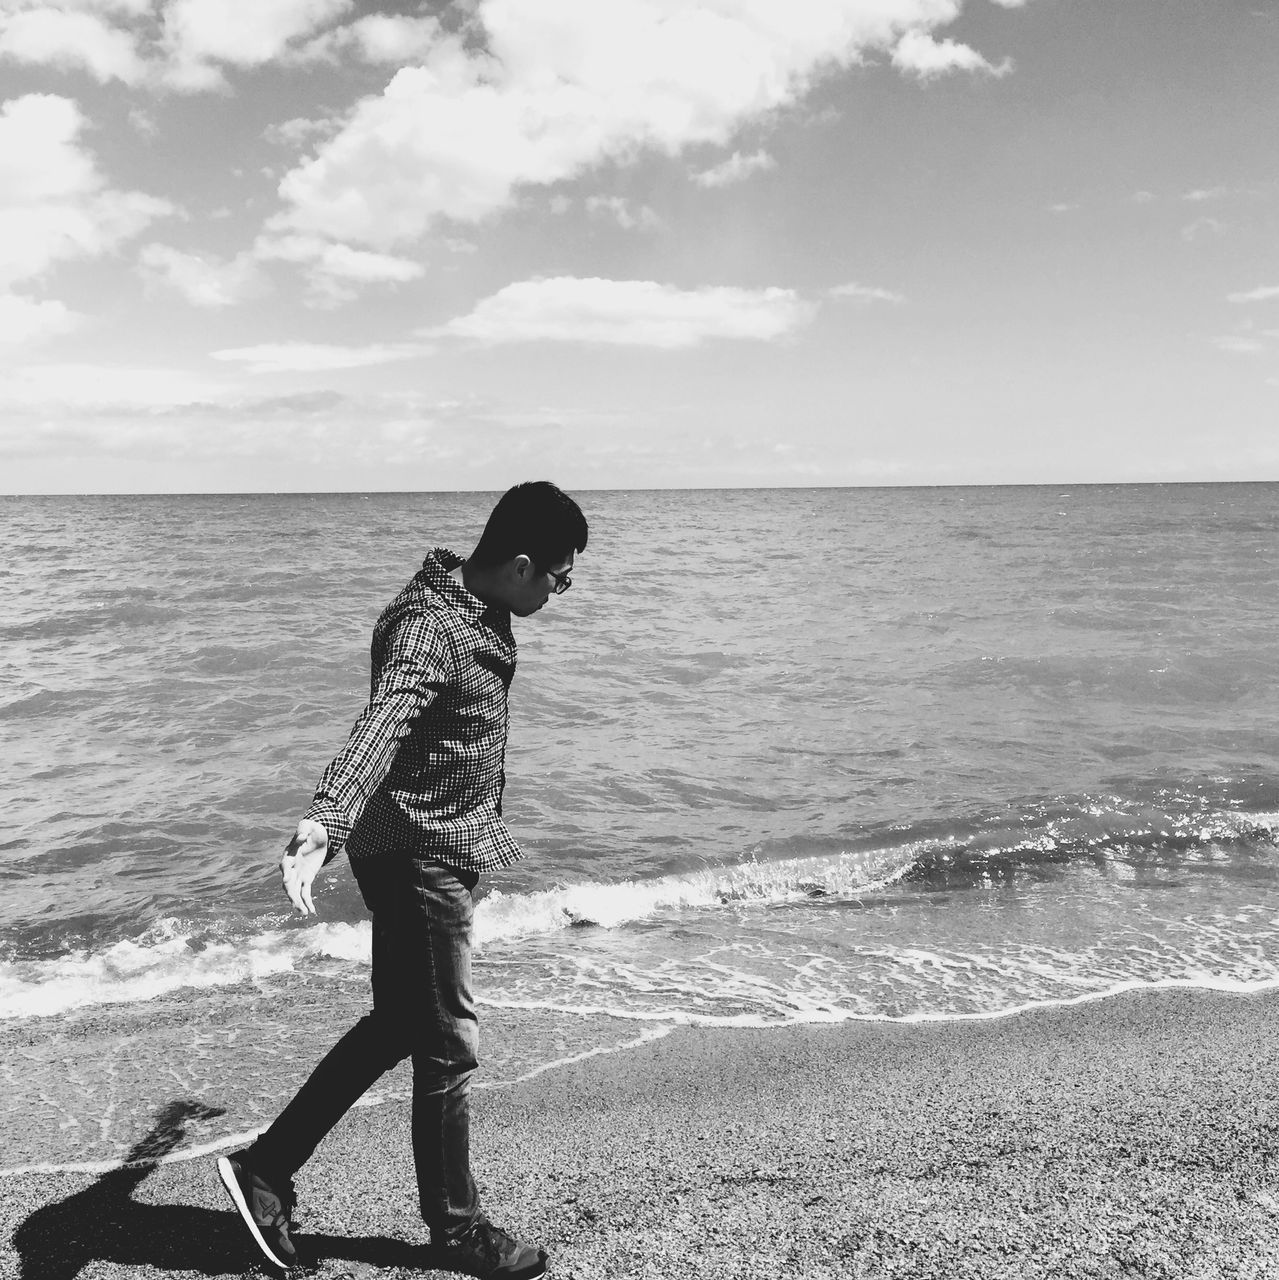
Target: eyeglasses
(562, 581)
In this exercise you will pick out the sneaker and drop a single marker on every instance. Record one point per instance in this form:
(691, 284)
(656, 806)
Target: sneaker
(267, 1209)
(488, 1252)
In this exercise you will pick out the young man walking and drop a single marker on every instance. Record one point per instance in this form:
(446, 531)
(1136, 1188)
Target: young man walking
(416, 798)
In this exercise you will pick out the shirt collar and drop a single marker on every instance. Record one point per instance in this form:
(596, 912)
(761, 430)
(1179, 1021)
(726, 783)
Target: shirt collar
(437, 569)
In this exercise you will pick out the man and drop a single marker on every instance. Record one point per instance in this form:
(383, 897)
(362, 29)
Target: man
(416, 798)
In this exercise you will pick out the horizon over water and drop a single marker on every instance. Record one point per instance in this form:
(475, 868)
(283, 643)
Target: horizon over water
(779, 756)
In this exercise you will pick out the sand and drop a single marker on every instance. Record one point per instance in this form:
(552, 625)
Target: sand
(1135, 1136)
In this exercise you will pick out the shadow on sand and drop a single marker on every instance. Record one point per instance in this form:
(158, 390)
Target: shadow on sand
(105, 1223)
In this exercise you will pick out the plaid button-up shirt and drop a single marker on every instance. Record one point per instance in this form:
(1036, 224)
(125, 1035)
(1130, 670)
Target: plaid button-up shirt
(423, 770)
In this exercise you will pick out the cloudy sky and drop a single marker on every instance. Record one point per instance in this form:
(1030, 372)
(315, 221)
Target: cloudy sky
(344, 245)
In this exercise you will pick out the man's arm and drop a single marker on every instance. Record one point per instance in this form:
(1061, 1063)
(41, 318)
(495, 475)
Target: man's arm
(414, 670)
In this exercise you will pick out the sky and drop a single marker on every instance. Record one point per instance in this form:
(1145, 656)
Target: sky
(322, 245)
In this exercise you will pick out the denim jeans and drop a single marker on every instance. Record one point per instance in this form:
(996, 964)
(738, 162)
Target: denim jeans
(422, 1008)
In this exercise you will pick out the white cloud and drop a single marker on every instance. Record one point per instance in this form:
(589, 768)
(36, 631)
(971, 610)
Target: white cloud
(1202, 227)
(1264, 293)
(316, 357)
(865, 293)
(1239, 345)
(920, 54)
(335, 272)
(566, 84)
(201, 33)
(393, 39)
(628, 313)
(144, 123)
(58, 38)
(25, 320)
(204, 280)
(1201, 194)
(54, 205)
(118, 8)
(101, 387)
(737, 168)
(299, 131)
(620, 210)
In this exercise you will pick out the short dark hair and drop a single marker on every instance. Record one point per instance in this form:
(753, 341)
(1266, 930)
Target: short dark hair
(535, 519)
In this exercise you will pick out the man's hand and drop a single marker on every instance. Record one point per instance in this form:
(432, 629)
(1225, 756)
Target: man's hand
(301, 863)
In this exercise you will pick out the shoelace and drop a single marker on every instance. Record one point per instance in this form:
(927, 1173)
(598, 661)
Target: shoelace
(486, 1239)
(288, 1199)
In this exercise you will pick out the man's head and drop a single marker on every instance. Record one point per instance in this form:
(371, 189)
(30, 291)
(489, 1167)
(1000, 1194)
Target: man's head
(526, 550)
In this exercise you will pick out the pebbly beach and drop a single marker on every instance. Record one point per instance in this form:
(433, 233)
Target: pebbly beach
(1132, 1136)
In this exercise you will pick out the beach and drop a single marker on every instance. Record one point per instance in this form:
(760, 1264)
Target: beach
(1132, 1136)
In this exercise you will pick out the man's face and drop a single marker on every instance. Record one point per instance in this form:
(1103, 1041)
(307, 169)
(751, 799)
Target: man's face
(533, 587)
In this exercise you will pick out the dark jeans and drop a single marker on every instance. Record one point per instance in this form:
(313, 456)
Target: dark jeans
(423, 1008)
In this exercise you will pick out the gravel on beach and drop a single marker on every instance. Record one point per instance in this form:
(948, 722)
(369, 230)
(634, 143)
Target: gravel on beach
(1136, 1136)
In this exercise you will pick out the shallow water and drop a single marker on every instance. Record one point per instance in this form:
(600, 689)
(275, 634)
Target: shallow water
(778, 755)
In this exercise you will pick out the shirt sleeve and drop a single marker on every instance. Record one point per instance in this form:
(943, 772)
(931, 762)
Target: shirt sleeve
(414, 669)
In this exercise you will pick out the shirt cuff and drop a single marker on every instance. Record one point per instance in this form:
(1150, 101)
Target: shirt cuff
(334, 822)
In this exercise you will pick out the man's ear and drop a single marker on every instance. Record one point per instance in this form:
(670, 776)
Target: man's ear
(523, 566)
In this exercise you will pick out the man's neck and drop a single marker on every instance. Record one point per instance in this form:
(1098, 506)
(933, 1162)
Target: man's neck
(478, 582)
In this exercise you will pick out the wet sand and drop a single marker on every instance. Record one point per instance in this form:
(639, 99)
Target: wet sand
(1136, 1136)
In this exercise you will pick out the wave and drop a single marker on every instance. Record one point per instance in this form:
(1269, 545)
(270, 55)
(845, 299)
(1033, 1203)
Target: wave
(983, 850)
(175, 954)
(170, 956)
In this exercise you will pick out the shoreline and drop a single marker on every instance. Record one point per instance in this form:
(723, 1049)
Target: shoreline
(1135, 1135)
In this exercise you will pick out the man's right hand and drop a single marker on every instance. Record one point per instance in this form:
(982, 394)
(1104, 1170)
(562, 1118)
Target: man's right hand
(301, 863)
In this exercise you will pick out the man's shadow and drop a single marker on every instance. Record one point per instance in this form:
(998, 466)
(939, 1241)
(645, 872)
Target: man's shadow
(104, 1222)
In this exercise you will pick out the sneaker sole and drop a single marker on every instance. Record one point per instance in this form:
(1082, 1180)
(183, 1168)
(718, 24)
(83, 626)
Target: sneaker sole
(232, 1184)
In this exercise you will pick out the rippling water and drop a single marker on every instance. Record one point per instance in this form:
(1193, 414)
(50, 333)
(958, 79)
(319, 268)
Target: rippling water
(779, 755)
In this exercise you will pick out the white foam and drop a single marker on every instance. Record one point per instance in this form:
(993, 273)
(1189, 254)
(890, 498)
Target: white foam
(826, 1014)
(165, 961)
(502, 916)
(171, 956)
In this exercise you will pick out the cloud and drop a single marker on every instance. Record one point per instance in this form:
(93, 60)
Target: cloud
(1201, 227)
(298, 131)
(100, 388)
(188, 45)
(393, 39)
(71, 40)
(336, 272)
(921, 55)
(1264, 293)
(1238, 345)
(865, 293)
(628, 313)
(558, 86)
(200, 33)
(619, 209)
(204, 280)
(737, 168)
(316, 357)
(1201, 194)
(54, 205)
(25, 320)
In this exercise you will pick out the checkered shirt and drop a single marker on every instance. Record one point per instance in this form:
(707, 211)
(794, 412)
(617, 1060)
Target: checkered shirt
(424, 767)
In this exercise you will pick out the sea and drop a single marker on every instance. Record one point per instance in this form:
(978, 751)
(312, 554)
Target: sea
(779, 757)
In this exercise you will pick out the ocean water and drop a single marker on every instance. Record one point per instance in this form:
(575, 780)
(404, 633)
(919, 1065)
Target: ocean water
(779, 756)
